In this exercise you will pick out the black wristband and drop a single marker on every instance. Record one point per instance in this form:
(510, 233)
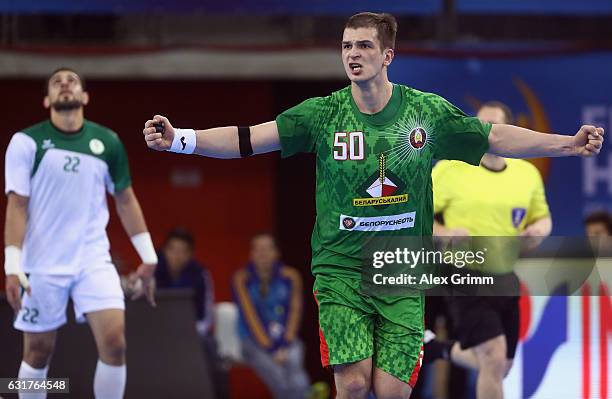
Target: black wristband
(244, 141)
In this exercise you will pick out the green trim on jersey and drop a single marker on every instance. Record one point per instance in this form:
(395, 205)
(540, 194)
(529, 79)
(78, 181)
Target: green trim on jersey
(374, 171)
(92, 139)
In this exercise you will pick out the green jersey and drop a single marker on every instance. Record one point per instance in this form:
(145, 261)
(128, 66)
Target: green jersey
(374, 171)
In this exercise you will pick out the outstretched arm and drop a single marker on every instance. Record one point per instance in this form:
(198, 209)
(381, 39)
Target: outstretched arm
(517, 142)
(220, 142)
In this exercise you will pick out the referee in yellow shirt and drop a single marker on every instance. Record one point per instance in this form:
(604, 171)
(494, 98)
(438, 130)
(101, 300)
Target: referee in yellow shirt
(501, 197)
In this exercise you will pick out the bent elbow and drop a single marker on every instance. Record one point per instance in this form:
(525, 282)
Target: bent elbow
(496, 142)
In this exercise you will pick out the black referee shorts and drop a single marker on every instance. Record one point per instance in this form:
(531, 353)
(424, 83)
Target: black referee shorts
(481, 318)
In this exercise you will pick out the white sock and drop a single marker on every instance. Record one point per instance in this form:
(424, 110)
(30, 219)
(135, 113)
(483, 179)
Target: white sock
(109, 381)
(27, 371)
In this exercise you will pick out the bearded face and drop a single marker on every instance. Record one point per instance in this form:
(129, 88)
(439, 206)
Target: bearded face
(65, 92)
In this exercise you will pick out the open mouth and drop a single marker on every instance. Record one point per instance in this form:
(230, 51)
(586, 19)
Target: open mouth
(355, 67)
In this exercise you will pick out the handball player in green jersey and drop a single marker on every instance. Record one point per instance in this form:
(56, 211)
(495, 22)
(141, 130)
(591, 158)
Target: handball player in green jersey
(375, 142)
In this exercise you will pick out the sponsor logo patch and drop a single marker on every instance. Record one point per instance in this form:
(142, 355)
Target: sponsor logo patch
(394, 199)
(382, 188)
(348, 223)
(378, 223)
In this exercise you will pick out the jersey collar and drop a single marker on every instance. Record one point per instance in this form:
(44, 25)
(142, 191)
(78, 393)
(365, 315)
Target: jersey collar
(68, 135)
(386, 115)
(495, 170)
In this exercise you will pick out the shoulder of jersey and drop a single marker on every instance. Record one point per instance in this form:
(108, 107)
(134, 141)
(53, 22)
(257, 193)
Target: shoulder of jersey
(523, 165)
(102, 132)
(415, 92)
(446, 165)
(323, 101)
(31, 130)
(446, 170)
(442, 164)
(338, 95)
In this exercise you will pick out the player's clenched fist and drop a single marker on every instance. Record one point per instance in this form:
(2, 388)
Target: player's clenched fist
(588, 140)
(158, 133)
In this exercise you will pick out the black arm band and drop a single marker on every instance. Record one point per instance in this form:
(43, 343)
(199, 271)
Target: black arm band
(244, 141)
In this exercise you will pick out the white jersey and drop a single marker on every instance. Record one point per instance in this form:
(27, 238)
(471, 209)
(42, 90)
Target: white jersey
(66, 177)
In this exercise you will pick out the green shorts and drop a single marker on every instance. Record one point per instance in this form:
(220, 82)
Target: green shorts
(353, 327)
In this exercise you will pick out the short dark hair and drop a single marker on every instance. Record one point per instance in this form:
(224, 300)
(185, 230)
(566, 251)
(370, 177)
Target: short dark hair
(180, 233)
(599, 217)
(505, 109)
(385, 24)
(63, 69)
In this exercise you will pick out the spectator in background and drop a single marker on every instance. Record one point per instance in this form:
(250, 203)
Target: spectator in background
(269, 297)
(598, 224)
(177, 268)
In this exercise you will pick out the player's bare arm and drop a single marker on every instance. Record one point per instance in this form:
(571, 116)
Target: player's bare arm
(517, 142)
(220, 142)
(132, 219)
(14, 232)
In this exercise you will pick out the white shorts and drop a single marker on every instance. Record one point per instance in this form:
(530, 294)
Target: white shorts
(92, 289)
